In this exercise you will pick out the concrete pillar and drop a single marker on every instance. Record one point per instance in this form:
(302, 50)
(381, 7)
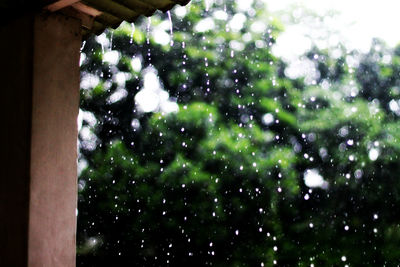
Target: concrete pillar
(39, 83)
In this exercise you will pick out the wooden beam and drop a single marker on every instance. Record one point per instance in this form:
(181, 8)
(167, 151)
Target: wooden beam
(60, 5)
(75, 9)
(86, 9)
(86, 20)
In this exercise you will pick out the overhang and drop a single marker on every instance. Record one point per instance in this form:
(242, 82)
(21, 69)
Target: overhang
(96, 15)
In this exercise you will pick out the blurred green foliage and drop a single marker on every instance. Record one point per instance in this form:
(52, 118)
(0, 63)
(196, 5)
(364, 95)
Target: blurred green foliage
(221, 181)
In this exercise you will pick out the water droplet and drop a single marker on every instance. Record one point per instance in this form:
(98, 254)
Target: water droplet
(133, 31)
(373, 154)
(170, 28)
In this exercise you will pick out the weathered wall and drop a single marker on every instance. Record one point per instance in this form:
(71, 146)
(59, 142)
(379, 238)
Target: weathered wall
(40, 89)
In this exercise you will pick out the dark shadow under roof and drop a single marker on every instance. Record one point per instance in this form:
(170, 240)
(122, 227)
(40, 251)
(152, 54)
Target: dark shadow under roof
(96, 15)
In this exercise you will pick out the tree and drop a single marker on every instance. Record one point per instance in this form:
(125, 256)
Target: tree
(236, 164)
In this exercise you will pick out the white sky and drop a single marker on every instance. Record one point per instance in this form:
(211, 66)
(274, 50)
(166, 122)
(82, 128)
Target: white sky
(359, 21)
